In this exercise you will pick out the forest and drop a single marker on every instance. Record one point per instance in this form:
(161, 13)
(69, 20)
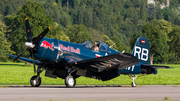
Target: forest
(111, 21)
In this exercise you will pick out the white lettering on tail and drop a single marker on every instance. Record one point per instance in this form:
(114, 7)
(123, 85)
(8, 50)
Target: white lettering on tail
(141, 53)
(144, 53)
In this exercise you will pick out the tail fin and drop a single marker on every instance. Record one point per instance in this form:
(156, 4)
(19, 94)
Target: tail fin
(141, 50)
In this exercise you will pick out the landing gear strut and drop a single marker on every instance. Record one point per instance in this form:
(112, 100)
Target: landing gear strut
(133, 77)
(35, 80)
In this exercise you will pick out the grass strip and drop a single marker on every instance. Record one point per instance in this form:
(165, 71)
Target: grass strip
(20, 74)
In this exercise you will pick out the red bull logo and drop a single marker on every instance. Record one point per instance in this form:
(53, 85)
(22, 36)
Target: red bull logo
(70, 49)
(46, 45)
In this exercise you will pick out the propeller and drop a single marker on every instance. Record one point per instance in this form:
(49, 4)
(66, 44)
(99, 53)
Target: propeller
(37, 39)
(33, 61)
(32, 42)
(20, 54)
(28, 30)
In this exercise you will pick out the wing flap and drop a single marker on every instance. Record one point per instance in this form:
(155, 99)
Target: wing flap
(120, 61)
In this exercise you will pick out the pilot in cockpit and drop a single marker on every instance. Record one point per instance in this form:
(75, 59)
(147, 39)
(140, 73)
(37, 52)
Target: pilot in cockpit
(95, 46)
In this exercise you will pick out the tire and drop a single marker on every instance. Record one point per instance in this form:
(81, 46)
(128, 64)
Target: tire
(70, 82)
(133, 84)
(34, 82)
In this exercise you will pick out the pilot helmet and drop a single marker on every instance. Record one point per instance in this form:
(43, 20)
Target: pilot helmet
(95, 43)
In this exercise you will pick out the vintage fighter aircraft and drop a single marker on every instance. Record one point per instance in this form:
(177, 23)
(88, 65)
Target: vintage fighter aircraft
(69, 60)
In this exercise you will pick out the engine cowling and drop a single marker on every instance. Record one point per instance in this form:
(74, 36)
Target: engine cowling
(47, 50)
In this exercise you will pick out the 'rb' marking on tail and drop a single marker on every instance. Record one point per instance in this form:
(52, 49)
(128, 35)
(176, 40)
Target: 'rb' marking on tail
(144, 53)
(140, 51)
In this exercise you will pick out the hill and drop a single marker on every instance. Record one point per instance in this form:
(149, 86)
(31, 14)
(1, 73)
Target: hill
(121, 18)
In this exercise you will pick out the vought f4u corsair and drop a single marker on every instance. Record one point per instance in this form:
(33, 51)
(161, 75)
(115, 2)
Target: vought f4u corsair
(69, 60)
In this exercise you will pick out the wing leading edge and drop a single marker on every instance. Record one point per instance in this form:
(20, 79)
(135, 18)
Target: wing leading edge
(120, 61)
(26, 59)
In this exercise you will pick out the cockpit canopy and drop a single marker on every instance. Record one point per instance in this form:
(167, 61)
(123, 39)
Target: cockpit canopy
(102, 46)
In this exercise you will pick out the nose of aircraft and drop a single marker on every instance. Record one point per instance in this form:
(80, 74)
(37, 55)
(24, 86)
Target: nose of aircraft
(29, 44)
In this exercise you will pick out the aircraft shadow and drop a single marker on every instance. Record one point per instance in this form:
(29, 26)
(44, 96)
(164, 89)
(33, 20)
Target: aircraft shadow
(55, 86)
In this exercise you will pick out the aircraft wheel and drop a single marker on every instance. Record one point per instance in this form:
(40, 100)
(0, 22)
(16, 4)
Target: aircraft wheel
(133, 84)
(34, 82)
(70, 81)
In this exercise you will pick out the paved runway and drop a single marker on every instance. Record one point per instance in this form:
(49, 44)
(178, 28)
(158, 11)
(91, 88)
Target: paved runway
(90, 93)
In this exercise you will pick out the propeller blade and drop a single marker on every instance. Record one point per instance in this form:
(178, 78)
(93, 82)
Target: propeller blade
(33, 61)
(28, 30)
(20, 55)
(37, 39)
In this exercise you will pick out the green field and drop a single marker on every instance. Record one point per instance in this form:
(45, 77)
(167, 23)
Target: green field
(20, 74)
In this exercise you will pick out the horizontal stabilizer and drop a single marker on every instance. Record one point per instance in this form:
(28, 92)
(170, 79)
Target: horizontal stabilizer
(155, 66)
(26, 59)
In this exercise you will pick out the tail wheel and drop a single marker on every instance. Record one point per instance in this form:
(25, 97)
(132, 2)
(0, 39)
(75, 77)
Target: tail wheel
(34, 82)
(70, 82)
(133, 84)
(133, 77)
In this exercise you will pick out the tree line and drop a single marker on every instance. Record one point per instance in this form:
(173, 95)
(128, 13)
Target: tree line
(111, 21)
(121, 18)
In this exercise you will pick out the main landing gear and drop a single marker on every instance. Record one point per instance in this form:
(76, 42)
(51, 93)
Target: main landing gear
(35, 80)
(70, 81)
(133, 77)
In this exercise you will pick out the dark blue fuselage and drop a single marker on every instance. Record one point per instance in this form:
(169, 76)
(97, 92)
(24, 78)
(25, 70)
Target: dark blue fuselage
(54, 50)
